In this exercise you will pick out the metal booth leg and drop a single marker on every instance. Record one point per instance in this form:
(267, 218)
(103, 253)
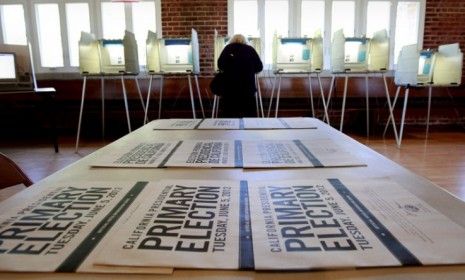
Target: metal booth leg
(102, 93)
(346, 81)
(199, 95)
(391, 112)
(259, 91)
(191, 92)
(148, 99)
(126, 103)
(140, 94)
(80, 113)
(325, 106)
(161, 97)
(271, 97)
(430, 89)
(310, 91)
(331, 87)
(368, 105)
(402, 122)
(277, 97)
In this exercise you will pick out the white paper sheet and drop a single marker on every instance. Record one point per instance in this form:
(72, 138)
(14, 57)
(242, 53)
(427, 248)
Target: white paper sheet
(60, 228)
(148, 155)
(296, 153)
(220, 124)
(183, 224)
(206, 154)
(174, 124)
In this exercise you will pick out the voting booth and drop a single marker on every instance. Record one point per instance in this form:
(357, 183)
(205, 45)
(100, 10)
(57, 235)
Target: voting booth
(173, 56)
(425, 68)
(219, 42)
(360, 57)
(108, 58)
(296, 56)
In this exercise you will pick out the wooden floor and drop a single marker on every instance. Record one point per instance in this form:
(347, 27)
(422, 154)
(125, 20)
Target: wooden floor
(440, 158)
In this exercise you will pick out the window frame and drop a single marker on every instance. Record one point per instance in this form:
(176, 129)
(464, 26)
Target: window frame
(360, 24)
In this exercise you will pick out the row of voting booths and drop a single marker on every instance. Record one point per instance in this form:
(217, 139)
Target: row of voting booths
(302, 57)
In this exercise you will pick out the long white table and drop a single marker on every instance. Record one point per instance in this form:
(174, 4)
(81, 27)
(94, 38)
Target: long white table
(377, 167)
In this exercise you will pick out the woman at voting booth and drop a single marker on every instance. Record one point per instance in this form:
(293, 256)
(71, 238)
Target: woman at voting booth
(239, 63)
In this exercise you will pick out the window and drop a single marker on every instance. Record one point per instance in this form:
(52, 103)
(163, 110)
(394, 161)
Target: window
(407, 25)
(312, 18)
(343, 17)
(246, 17)
(49, 35)
(113, 20)
(402, 19)
(143, 15)
(13, 24)
(378, 17)
(276, 21)
(77, 20)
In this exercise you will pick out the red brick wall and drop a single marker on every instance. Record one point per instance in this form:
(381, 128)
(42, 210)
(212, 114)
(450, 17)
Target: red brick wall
(179, 16)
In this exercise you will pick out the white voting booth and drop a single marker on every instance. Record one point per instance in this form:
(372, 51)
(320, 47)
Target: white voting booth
(173, 56)
(219, 44)
(358, 56)
(425, 68)
(108, 58)
(296, 56)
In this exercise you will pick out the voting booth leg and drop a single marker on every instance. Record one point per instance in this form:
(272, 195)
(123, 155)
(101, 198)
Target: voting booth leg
(160, 97)
(430, 89)
(310, 91)
(271, 97)
(346, 81)
(80, 113)
(126, 103)
(191, 92)
(277, 97)
(402, 122)
(140, 94)
(215, 98)
(259, 92)
(102, 93)
(148, 99)
(391, 111)
(368, 105)
(331, 86)
(257, 110)
(325, 106)
(200, 96)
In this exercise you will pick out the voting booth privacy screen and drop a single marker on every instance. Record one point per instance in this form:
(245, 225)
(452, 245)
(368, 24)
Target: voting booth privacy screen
(362, 54)
(173, 55)
(108, 56)
(297, 54)
(423, 67)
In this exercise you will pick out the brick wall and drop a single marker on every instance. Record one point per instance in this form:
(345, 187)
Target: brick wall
(179, 16)
(444, 23)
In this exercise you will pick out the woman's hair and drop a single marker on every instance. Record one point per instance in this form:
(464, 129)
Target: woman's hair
(238, 38)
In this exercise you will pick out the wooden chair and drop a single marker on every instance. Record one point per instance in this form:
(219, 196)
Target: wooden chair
(11, 174)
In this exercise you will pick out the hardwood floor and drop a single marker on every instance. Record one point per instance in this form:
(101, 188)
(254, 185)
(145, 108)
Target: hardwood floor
(440, 158)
